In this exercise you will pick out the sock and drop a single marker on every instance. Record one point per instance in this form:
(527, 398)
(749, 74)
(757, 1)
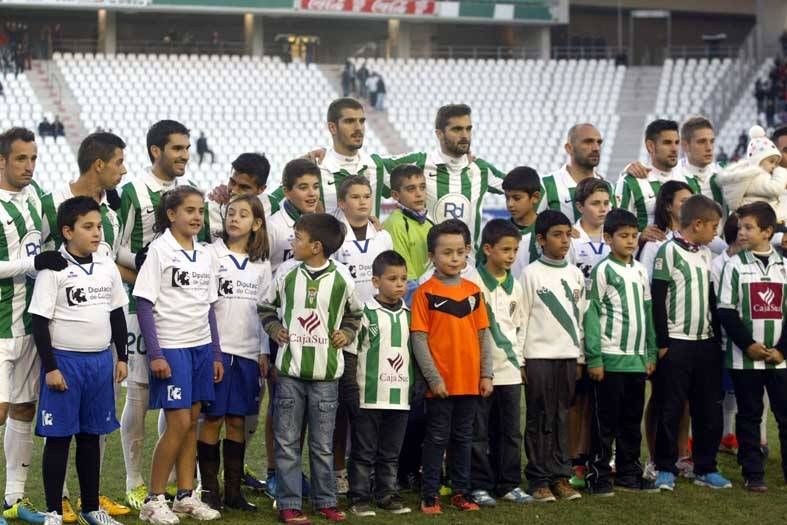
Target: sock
(102, 448)
(18, 445)
(766, 407)
(54, 462)
(162, 427)
(183, 493)
(66, 494)
(88, 459)
(251, 423)
(132, 432)
(730, 408)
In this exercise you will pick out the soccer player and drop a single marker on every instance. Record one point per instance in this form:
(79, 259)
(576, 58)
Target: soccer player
(311, 311)
(20, 258)
(687, 331)
(638, 195)
(697, 140)
(620, 348)
(751, 309)
(76, 313)
(168, 149)
(583, 147)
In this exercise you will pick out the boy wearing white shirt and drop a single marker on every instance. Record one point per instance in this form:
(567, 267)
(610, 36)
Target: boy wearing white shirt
(76, 314)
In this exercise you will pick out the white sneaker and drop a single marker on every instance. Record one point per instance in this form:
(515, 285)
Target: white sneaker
(342, 482)
(52, 518)
(157, 512)
(649, 472)
(194, 508)
(97, 517)
(685, 467)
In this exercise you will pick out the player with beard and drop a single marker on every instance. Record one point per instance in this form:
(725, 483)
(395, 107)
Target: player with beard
(583, 146)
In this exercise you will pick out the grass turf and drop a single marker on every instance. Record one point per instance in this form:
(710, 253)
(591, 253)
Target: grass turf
(688, 504)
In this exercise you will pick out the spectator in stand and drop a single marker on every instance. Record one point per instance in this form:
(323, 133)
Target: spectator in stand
(380, 106)
(362, 75)
(19, 59)
(45, 128)
(759, 94)
(743, 142)
(721, 157)
(202, 149)
(348, 79)
(371, 87)
(58, 130)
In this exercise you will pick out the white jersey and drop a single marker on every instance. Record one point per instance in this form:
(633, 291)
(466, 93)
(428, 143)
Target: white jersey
(181, 285)
(358, 256)
(281, 233)
(647, 255)
(715, 270)
(110, 223)
(78, 301)
(21, 231)
(585, 253)
(559, 188)
(242, 285)
(639, 195)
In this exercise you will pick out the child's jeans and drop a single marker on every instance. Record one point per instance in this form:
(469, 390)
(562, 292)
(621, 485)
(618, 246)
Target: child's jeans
(314, 402)
(449, 422)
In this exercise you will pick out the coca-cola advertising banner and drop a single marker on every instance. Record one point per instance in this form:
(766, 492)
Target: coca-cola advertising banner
(382, 7)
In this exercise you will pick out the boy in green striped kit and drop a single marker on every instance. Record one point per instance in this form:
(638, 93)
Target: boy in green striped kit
(384, 379)
(620, 349)
(751, 308)
(687, 331)
(312, 313)
(495, 464)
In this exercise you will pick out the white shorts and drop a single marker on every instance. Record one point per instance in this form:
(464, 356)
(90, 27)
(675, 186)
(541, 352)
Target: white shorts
(137, 353)
(20, 370)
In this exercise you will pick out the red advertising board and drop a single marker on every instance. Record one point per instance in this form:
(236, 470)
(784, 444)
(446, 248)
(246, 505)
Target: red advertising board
(383, 7)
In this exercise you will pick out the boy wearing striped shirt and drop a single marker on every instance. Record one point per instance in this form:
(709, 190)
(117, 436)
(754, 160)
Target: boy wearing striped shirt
(312, 313)
(751, 309)
(620, 349)
(384, 380)
(687, 331)
(497, 438)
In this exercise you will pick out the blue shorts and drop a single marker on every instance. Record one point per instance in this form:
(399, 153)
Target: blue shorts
(88, 405)
(191, 380)
(238, 393)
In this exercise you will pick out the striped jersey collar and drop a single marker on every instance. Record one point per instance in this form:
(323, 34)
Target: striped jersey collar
(524, 229)
(701, 174)
(749, 257)
(156, 184)
(374, 304)
(562, 263)
(335, 161)
(686, 245)
(566, 177)
(17, 197)
(617, 261)
(66, 194)
(657, 175)
(437, 157)
(491, 282)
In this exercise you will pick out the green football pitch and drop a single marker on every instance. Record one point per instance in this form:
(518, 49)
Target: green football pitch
(688, 504)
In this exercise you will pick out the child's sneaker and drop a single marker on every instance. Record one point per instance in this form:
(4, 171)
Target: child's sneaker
(639, 485)
(194, 508)
(665, 480)
(482, 498)
(685, 467)
(69, 516)
(713, 480)
(332, 514)
(270, 485)
(602, 489)
(461, 503)
(294, 516)
(97, 517)
(157, 511)
(394, 505)
(755, 485)
(445, 490)
(543, 495)
(729, 444)
(517, 495)
(136, 497)
(110, 506)
(650, 470)
(24, 510)
(342, 483)
(578, 478)
(51, 518)
(362, 510)
(563, 490)
(431, 506)
(251, 480)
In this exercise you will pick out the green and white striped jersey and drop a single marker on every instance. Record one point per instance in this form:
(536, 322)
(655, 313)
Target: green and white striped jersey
(311, 310)
(557, 193)
(639, 195)
(619, 332)
(385, 363)
(20, 242)
(687, 272)
(455, 187)
(758, 294)
(110, 224)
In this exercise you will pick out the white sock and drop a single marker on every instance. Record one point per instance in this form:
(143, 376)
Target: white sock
(730, 409)
(251, 423)
(132, 432)
(766, 407)
(18, 446)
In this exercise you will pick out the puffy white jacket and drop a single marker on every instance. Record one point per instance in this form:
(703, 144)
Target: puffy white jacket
(744, 183)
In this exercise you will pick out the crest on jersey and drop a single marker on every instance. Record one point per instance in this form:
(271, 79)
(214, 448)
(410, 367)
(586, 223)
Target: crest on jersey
(180, 278)
(766, 300)
(396, 362)
(226, 287)
(310, 322)
(311, 294)
(374, 330)
(75, 295)
(471, 300)
(451, 206)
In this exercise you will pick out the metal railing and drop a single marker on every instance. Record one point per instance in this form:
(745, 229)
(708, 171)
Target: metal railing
(702, 51)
